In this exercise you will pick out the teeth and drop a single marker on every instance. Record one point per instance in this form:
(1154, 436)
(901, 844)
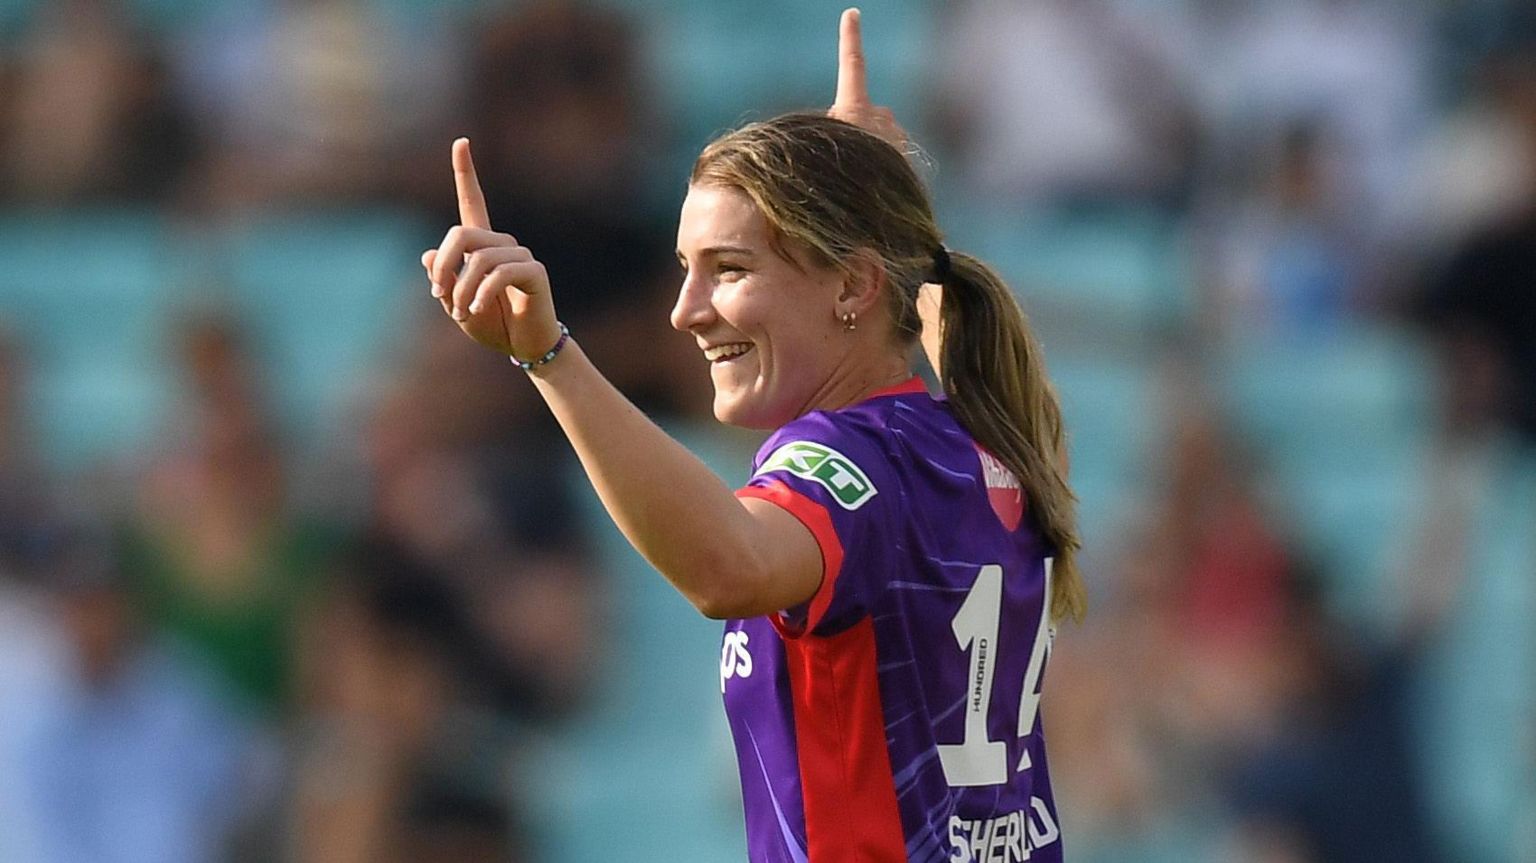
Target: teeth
(721, 352)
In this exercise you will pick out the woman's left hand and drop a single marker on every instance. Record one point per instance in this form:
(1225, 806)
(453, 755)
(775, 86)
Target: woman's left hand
(852, 104)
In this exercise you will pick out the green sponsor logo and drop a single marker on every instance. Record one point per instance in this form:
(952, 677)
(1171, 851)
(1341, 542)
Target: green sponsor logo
(849, 486)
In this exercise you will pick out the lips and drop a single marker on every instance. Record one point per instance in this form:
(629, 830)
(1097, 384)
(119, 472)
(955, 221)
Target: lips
(729, 351)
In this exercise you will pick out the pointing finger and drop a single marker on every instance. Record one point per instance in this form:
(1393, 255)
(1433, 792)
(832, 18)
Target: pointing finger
(472, 212)
(852, 85)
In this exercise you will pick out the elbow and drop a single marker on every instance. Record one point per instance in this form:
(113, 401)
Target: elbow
(724, 601)
(726, 588)
(713, 607)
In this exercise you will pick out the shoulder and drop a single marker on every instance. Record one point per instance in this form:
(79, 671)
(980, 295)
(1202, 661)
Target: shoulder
(873, 443)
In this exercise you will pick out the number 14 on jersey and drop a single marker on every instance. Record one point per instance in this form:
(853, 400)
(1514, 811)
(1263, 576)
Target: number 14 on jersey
(978, 760)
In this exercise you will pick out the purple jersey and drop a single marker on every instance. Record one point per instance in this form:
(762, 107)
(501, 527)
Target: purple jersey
(895, 716)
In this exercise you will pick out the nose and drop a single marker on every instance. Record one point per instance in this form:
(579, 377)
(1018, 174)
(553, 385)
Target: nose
(694, 307)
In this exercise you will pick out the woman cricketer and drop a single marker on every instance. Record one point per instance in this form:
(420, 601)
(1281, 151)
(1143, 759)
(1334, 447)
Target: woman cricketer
(890, 575)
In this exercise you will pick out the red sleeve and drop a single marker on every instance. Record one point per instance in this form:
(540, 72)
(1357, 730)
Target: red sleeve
(815, 518)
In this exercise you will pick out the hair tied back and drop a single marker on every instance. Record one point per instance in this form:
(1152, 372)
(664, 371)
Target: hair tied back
(940, 273)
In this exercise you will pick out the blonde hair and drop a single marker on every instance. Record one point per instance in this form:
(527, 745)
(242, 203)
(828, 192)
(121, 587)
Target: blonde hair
(833, 191)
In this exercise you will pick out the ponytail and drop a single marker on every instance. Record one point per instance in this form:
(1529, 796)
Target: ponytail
(992, 369)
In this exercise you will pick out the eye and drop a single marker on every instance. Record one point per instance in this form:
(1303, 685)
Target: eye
(729, 270)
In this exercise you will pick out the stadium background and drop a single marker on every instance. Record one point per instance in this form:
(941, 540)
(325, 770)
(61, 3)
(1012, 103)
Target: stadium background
(290, 570)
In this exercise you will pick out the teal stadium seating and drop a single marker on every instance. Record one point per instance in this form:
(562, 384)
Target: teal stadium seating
(721, 63)
(93, 296)
(1476, 709)
(321, 292)
(87, 294)
(1114, 421)
(1089, 279)
(1341, 425)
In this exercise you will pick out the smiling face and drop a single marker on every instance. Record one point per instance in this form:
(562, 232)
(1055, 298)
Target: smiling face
(767, 325)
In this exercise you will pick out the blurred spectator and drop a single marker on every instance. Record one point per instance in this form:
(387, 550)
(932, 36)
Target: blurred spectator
(1481, 306)
(1339, 774)
(467, 478)
(1476, 168)
(28, 513)
(219, 558)
(1284, 256)
(1224, 550)
(89, 113)
(564, 130)
(115, 746)
(311, 101)
(1354, 70)
(1061, 101)
(401, 761)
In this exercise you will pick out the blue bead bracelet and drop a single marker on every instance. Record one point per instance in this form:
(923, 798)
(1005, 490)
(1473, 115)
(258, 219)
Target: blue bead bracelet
(530, 365)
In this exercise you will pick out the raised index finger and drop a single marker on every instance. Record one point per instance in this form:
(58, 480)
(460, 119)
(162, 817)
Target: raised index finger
(472, 212)
(852, 87)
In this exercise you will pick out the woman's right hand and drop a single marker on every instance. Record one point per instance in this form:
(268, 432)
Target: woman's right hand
(852, 104)
(495, 289)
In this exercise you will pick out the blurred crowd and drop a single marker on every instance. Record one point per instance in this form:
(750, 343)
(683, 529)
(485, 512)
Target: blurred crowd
(246, 637)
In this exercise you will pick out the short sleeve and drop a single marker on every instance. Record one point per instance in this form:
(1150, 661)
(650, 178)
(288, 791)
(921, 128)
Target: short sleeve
(835, 478)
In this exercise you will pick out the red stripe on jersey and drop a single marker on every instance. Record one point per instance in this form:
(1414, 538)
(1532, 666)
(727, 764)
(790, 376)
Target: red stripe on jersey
(814, 516)
(913, 384)
(851, 814)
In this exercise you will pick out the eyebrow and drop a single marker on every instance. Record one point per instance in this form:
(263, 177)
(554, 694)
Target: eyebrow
(719, 250)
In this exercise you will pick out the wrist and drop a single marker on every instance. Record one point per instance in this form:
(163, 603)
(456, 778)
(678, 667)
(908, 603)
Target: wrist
(547, 356)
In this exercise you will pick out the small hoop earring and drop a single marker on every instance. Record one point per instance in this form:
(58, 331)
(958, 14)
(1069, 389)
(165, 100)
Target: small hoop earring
(850, 321)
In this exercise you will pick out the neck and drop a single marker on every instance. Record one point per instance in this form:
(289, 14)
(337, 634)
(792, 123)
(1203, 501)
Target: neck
(853, 383)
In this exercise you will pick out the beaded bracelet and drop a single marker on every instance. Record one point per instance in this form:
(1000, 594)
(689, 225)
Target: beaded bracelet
(530, 365)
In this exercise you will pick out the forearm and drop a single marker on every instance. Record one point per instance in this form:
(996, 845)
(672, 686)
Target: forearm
(670, 506)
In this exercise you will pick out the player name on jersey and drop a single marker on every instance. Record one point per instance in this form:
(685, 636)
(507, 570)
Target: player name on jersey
(1007, 838)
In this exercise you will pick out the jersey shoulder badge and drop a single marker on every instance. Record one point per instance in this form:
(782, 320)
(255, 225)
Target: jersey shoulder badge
(849, 485)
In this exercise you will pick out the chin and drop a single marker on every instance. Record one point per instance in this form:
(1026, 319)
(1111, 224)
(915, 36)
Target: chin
(733, 413)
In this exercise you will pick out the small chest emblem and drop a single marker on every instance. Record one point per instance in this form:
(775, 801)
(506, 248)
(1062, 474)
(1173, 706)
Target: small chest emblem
(849, 485)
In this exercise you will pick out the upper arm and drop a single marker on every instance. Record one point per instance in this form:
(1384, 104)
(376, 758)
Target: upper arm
(821, 502)
(791, 566)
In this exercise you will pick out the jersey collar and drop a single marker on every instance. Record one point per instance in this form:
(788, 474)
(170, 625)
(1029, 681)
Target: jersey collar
(913, 384)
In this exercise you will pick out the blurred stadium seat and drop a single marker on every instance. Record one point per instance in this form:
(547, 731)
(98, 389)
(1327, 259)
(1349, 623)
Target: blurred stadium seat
(732, 62)
(320, 292)
(1114, 421)
(1341, 424)
(93, 296)
(1093, 275)
(88, 293)
(1476, 706)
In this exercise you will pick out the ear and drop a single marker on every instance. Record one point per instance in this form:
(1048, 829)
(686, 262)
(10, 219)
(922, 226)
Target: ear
(865, 285)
